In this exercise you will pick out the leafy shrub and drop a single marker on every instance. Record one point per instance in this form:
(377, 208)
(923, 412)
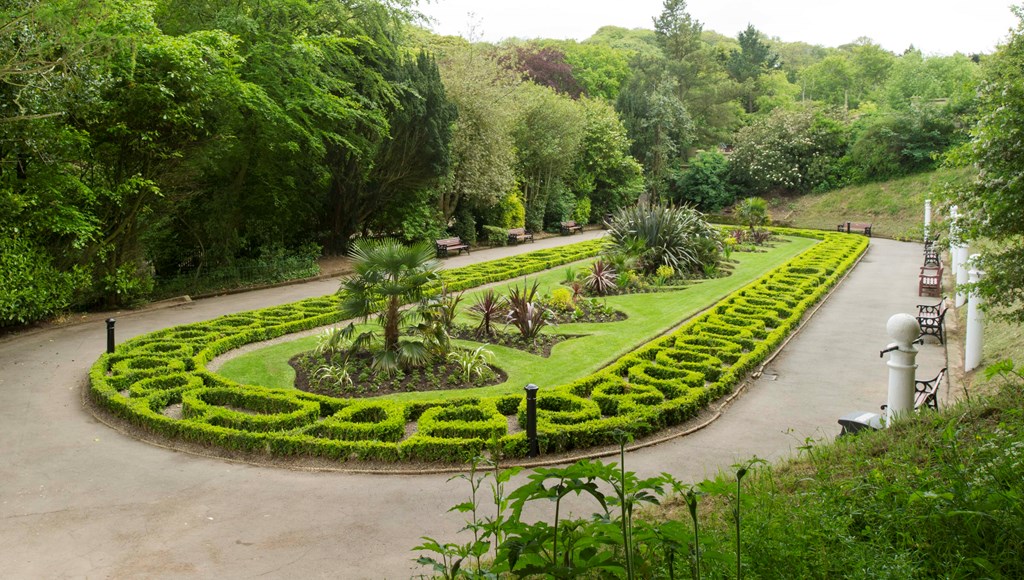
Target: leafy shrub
(496, 236)
(900, 143)
(561, 299)
(465, 224)
(788, 151)
(509, 212)
(581, 213)
(32, 288)
(705, 183)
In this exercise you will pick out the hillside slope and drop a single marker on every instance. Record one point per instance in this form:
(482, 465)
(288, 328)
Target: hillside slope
(895, 208)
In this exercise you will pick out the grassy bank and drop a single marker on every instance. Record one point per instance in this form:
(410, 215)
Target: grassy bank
(895, 208)
(939, 495)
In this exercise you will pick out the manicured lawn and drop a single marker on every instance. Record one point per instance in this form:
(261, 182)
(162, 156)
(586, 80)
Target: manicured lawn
(650, 315)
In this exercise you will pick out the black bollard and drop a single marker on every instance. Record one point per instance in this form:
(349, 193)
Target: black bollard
(110, 334)
(531, 420)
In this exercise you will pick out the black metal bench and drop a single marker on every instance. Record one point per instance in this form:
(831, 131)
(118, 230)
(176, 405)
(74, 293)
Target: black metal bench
(570, 227)
(447, 245)
(519, 235)
(931, 318)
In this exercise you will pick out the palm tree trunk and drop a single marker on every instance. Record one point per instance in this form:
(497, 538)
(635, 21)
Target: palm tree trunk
(391, 324)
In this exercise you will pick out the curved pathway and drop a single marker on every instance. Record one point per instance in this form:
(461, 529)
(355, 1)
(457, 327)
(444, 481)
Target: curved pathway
(78, 499)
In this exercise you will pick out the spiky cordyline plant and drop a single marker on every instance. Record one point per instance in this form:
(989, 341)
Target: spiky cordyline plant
(524, 313)
(601, 278)
(489, 308)
(661, 235)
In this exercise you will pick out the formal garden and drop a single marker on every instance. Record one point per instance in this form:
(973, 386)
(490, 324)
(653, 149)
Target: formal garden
(649, 331)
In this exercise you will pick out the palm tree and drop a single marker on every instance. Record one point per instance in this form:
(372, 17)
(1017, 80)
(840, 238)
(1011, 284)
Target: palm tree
(388, 274)
(753, 211)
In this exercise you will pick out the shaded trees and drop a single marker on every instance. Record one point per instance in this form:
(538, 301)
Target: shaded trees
(993, 208)
(547, 134)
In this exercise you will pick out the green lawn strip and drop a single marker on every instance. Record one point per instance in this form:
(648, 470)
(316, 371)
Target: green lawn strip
(649, 314)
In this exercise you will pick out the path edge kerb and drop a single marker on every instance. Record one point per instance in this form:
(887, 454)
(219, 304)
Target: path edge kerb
(388, 469)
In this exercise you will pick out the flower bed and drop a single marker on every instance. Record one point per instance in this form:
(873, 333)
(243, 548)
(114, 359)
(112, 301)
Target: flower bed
(660, 384)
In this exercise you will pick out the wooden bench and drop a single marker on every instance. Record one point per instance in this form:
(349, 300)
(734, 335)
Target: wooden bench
(931, 257)
(849, 227)
(931, 318)
(926, 393)
(450, 245)
(519, 235)
(570, 227)
(930, 281)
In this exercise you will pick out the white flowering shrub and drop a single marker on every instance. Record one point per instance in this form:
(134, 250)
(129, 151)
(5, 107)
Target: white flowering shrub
(790, 151)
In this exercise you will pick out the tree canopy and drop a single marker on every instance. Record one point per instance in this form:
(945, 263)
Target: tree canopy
(146, 142)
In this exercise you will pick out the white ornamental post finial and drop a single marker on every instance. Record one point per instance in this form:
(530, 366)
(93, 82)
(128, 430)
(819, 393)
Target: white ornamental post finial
(975, 321)
(904, 330)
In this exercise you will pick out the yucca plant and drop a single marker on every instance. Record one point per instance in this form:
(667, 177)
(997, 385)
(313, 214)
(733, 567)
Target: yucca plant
(524, 313)
(336, 374)
(333, 341)
(488, 309)
(662, 235)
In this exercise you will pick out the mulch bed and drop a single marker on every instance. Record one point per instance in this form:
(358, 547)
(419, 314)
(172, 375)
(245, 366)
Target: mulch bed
(541, 346)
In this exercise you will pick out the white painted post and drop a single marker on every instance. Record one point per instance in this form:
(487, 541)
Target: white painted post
(953, 212)
(927, 218)
(975, 322)
(904, 329)
(961, 275)
(957, 256)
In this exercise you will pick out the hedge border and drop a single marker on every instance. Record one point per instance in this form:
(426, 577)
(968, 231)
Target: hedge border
(658, 385)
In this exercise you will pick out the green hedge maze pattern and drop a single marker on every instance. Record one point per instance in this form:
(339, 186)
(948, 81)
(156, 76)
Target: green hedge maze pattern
(663, 383)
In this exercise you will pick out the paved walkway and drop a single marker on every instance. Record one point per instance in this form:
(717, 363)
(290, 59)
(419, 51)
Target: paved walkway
(78, 499)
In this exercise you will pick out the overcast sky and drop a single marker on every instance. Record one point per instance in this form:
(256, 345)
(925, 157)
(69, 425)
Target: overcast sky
(934, 26)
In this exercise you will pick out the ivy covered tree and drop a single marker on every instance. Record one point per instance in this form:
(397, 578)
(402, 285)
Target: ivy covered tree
(993, 208)
(548, 131)
(606, 176)
(482, 147)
